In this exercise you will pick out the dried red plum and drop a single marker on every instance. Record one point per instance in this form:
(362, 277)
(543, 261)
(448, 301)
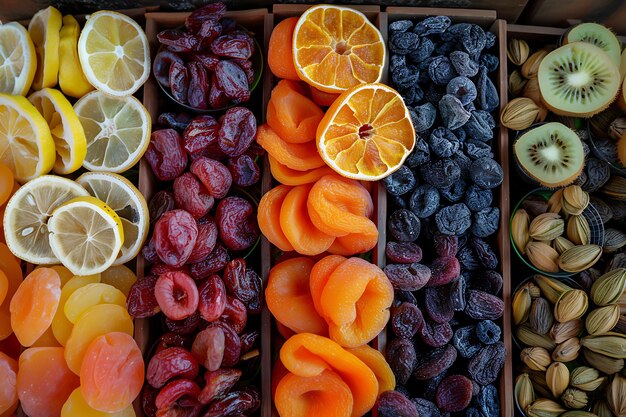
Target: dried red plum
(454, 393)
(165, 154)
(205, 243)
(212, 11)
(192, 196)
(486, 364)
(177, 40)
(446, 245)
(236, 220)
(395, 404)
(482, 305)
(443, 271)
(404, 225)
(161, 66)
(408, 277)
(435, 334)
(244, 170)
(200, 138)
(175, 235)
(215, 262)
(233, 81)
(236, 44)
(237, 132)
(485, 254)
(162, 202)
(406, 320)
(401, 356)
(437, 303)
(403, 252)
(434, 362)
(199, 86)
(400, 182)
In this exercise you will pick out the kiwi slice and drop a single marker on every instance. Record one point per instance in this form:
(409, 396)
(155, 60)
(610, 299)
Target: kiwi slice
(578, 79)
(551, 154)
(598, 35)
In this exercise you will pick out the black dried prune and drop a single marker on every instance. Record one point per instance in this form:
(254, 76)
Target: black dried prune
(452, 112)
(488, 332)
(397, 61)
(420, 154)
(472, 412)
(486, 173)
(487, 94)
(434, 362)
(404, 225)
(457, 294)
(424, 201)
(400, 182)
(485, 365)
(403, 252)
(435, 334)
(490, 40)
(403, 42)
(441, 70)
(412, 94)
(604, 210)
(463, 64)
(480, 125)
(402, 390)
(466, 342)
(429, 387)
(397, 201)
(402, 358)
(476, 149)
(423, 52)
(483, 306)
(454, 220)
(486, 222)
(462, 160)
(485, 254)
(444, 48)
(432, 25)
(490, 62)
(489, 281)
(423, 116)
(598, 173)
(426, 408)
(488, 401)
(443, 142)
(400, 26)
(409, 277)
(462, 88)
(437, 303)
(406, 320)
(433, 92)
(441, 174)
(454, 193)
(404, 77)
(178, 121)
(395, 404)
(477, 199)
(473, 39)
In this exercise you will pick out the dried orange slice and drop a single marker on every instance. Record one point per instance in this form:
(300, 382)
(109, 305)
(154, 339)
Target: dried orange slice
(367, 133)
(335, 48)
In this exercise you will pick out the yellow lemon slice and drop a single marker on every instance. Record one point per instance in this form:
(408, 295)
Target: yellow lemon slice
(72, 80)
(44, 29)
(18, 61)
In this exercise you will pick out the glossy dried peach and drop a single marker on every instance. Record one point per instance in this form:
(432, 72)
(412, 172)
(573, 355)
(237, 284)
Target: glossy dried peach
(90, 295)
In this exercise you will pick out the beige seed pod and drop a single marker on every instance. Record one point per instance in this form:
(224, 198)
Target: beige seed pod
(517, 51)
(519, 113)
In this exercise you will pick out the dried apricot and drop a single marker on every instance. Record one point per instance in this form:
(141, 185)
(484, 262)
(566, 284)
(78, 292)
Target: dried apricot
(297, 156)
(61, 326)
(269, 217)
(4, 286)
(354, 243)
(7, 181)
(121, 277)
(77, 406)
(280, 50)
(319, 278)
(287, 176)
(8, 388)
(47, 339)
(378, 364)
(90, 295)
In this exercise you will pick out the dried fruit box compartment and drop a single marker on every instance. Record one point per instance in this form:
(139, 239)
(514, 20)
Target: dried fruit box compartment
(258, 23)
(487, 20)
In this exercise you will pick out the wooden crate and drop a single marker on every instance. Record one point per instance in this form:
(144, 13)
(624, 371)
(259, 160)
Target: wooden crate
(487, 20)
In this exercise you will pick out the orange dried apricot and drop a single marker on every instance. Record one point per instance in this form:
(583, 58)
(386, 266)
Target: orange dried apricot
(4, 286)
(64, 274)
(90, 295)
(8, 387)
(378, 364)
(61, 326)
(298, 156)
(297, 226)
(283, 330)
(34, 304)
(268, 216)
(44, 381)
(96, 321)
(47, 339)
(112, 372)
(288, 296)
(354, 243)
(322, 98)
(287, 176)
(280, 50)
(120, 276)
(5, 322)
(319, 277)
(77, 406)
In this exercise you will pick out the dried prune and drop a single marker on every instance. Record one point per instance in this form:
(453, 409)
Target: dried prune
(214, 176)
(434, 362)
(200, 138)
(466, 342)
(486, 222)
(486, 173)
(486, 364)
(191, 196)
(408, 277)
(435, 334)
(403, 252)
(455, 192)
(177, 121)
(177, 40)
(452, 112)
(432, 25)
(454, 220)
(463, 64)
(400, 26)
(141, 302)
(244, 170)
(488, 61)
(604, 210)
(424, 201)
(404, 225)
(441, 174)
(487, 94)
(463, 89)
(237, 131)
(477, 199)
(420, 154)
(161, 66)
(237, 223)
(423, 117)
(488, 401)
(488, 281)
(402, 358)
(482, 305)
(423, 52)
(406, 320)
(404, 77)
(170, 363)
(443, 142)
(404, 297)
(175, 235)
(446, 245)
(236, 44)
(426, 408)
(454, 393)
(473, 39)
(162, 202)
(476, 149)
(396, 61)
(484, 252)
(488, 332)
(212, 302)
(462, 160)
(233, 81)
(215, 262)
(441, 70)
(165, 154)
(468, 259)
(205, 243)
(211, 11)
(185, 326)
(429, 387)
(437, 303)
(457, 294)
(395, 404)
(400, 182)
(480, 125)
(403, 42)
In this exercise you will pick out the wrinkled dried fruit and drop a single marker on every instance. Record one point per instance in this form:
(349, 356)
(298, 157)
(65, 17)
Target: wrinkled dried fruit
(485, 366)
(434, 362)
(454, 393)
(170, 363)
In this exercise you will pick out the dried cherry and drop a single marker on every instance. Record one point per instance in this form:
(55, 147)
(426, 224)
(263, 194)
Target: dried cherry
(218, 383)
(235, 314)
(200, 138)
(215, 262)
(214, 175)
(141, 302)
(191, 196)
(166, 155)
(208, 347)
(175, 235)
(237, 131)
(232, 347)
(212, 298)
(177, 295)
(170, 363)
(237, 223)
(236, 44)
(205, 243)
(234, 403)
(174, 391)
(185, 326)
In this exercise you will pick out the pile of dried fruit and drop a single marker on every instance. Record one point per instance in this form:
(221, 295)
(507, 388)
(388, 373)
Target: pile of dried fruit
(446, 351)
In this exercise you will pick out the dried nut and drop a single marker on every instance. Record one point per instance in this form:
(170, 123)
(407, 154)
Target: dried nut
(575, 200)
(524, 391)
(574, 398)
(561, 244)
(541, 318)
(620, 327)
(609, 344)
(519, 230)
(602, 320)
(527, 336)
(531, 66)
(519, 113)
(615, 188)
(578, 230)
(613, 240)
(546, 227)
(571, 305)
(603, 363)
(567, 351)
(616, 395)
(544, 407)
(516, 83)
(517, 51)
(586, 378)
(557, 378)
(609, 287)
(555, 203)
(531, 91)
(617, 128)
(533, 290)
(542, 256)
(580, 257)
(536, 358)
(521, 305)
(560, 332)
(551, 288)
(601, 409)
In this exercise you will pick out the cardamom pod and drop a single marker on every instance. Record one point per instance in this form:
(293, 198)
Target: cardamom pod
(616, 395)
(544, 407)
(527, 336)
(542, 256)
(521, 305)
(601, 409)
(531, 91)
(613, 240)
(555, 203)
(603, 363)
(575, 200)
(546, 227)
(516, 83)
(586, 378)
(561, 244)
(533, 290)
(551, 288)
(580, 257)
(536, 358)
(609, 287)
(567, 351)
(519, 113)
(541, 318)
(538, 378)
(519, 230)
(620, 327)
(517, 51)
(617, 128)
(571, 305)
(557, 378)
(524, 391)
(602, 320)
(578, 413)
(578, 230)
(574, 398)
(615, 188)
(610, 344)
(530, 68)
(560, 332)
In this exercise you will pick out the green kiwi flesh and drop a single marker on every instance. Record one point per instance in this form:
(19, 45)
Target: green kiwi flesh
(597, 35)
(578, 79)
(551, 154)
